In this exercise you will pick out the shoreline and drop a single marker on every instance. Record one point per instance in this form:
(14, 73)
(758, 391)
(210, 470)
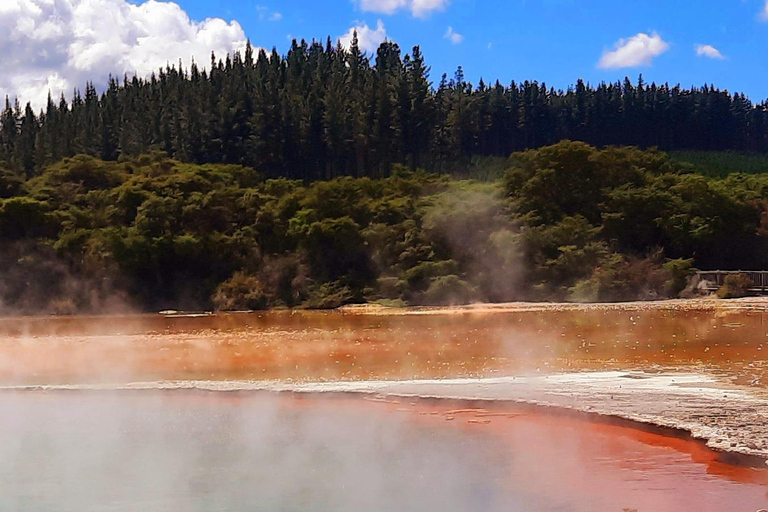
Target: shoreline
(726, 419)
(697, 304)
(756, 303)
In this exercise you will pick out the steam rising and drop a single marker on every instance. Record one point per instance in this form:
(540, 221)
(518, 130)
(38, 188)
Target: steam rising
(183, 453)
(186, 451)
(472, 226)
(34, 281)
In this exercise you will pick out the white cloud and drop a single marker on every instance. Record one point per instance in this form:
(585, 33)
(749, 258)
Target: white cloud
(368, 39)
(382, 6)
(764, 12)
(453, 37)
(707, 50)
(638, 50)
(418, 8)
(423, 8)
(58, 45)
(265, 13)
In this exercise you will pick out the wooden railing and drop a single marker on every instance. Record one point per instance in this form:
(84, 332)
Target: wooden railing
(716, 278)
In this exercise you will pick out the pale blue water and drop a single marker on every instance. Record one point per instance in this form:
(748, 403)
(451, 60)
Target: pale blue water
(158, 452)
(155, 451)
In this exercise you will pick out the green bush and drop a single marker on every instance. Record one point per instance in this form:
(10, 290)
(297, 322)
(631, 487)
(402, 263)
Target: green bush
(390, 288)
(24, 217)
(329, 296)
(586, 290)
(568, 222)
(679, 271)
(735, 286)
(619, 278)
(419, 277)
(449, 290)
(241, 292)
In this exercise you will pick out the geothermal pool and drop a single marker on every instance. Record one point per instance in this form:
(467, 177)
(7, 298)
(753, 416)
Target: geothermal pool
(182, 412)
(194, 451)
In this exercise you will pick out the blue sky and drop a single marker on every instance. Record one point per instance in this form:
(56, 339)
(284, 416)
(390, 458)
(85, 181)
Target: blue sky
(556, 41)
(58, 45)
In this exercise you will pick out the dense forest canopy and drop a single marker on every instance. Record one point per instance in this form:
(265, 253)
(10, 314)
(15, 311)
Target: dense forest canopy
(566, 222)
(323, 111)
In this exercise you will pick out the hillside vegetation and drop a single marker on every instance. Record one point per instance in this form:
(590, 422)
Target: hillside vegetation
(723, 163)
(565, 222)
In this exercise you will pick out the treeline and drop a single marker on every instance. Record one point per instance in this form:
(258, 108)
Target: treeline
(322, 111)
(567, 222)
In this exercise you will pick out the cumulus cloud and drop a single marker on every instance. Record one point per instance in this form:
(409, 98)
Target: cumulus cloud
(707, 50)
(638, 50)
(453, 36)
(368, 39)
(57, 45)
(418, 8)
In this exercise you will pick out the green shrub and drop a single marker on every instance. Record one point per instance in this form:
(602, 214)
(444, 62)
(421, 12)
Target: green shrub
(586, 290)
(10, 183)
(449, 290)
(240, 292)
(619, 278)
(390, 288)
(418, 277)
(568, 222)
(329, 296)
(24, 217)
(736, 285)
(679, 271)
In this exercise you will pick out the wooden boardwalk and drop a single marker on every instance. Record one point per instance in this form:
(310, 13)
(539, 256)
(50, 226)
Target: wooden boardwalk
(716, 278)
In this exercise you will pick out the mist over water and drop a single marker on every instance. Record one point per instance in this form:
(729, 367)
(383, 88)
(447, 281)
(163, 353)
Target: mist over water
(186, 451)
(309, 346)
(190, 451)
(80, 452)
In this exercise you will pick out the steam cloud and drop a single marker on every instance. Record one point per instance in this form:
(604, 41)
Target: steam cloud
(185, 452)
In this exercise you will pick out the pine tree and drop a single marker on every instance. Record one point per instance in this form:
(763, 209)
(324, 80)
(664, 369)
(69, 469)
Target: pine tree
(25, 147)
(323, 110)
